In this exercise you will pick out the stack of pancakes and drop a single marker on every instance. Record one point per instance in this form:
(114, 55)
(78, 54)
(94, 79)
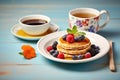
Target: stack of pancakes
(75, 48)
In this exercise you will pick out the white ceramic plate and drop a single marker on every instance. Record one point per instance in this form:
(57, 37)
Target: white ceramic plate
(17, 27)
(94, 38)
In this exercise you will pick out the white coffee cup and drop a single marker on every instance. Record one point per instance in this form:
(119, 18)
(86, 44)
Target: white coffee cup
(35, 24)
(87, 19)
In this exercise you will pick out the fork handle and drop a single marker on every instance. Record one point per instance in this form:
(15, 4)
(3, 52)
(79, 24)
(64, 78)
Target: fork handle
(111, 60)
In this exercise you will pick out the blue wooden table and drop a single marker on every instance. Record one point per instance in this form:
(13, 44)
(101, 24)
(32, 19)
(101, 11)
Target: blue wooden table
(15, 67)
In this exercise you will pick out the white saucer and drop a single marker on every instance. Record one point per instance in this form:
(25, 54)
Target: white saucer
(18, 32)
(94, 39)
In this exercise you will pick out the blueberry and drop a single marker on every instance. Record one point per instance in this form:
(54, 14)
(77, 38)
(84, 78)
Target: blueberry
(55, 54)
(92, 51)
(93, 46)
(79, 38)
(64, 37)
(80, 56)
(56, 51)
(96, 51)
(74, 57)
(83, 37)
(97, 47)
(54, 45)
(52, 51)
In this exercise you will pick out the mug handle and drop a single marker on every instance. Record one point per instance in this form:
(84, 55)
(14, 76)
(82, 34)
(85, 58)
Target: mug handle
(107, 18)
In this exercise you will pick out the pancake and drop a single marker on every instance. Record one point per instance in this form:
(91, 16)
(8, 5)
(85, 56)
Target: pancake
(75, 45)
(73, 51)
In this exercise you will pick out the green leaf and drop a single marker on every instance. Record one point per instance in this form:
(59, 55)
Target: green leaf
(81, 33)
(74, 29)
(20, 53)
(69, 31)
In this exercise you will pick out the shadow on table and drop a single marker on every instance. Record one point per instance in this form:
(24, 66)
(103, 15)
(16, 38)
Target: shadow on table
(107, 33)
(88, 66)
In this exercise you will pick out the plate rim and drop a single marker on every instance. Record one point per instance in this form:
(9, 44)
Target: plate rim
(29, 38)
(72, 61)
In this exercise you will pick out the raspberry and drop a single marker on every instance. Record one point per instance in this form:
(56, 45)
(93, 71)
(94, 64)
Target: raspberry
(60, 55)
(70, 38)
(88, 55)
(49, 48)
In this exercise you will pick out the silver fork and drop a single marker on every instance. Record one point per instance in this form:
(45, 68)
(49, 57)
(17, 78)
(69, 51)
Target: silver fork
(111, 58)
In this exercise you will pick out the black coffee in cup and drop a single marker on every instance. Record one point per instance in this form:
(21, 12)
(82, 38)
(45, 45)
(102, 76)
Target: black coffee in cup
(34, 22)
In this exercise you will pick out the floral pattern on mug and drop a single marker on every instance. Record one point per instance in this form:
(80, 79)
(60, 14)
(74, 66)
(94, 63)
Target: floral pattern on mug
(92, 29)
(78, 23)
(96, 18)
(90, 25)
(85, 22)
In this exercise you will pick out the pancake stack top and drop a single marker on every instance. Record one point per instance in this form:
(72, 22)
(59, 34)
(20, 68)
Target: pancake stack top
(74, 42)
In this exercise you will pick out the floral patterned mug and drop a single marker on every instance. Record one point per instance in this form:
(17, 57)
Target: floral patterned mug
(87, 19)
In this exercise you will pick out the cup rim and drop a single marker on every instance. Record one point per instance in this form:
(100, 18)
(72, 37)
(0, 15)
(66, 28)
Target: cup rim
(70, 12)
(34, 15)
